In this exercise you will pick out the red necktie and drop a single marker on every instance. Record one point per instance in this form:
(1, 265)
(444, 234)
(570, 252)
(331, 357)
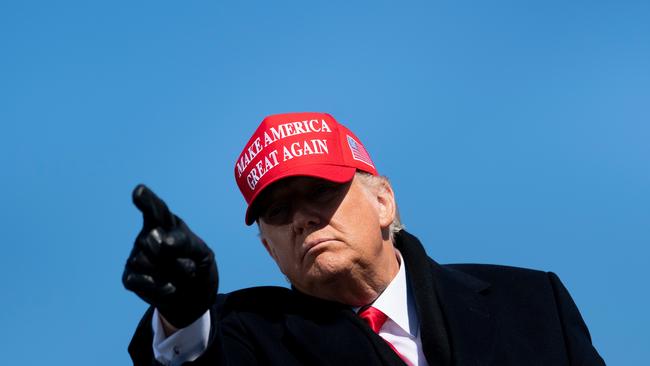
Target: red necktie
(375, 320)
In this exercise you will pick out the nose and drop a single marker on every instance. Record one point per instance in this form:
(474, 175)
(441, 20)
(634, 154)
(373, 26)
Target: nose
(306, 216)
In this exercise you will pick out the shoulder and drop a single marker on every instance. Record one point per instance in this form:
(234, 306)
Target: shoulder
(511, 282)
(475, 276)
(494, 272)
(500, 275)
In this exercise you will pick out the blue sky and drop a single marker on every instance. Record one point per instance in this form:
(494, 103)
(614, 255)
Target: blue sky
(513, 132)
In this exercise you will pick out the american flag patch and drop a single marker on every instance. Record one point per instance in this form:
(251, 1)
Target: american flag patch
(359, 152)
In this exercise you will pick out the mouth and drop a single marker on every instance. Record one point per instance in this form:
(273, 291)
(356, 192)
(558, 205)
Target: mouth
(311, 244)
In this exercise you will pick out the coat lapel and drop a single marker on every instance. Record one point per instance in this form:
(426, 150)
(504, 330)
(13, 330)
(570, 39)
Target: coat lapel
(455, 323)
(471, 328)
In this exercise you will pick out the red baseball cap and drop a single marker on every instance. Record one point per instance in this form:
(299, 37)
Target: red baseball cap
(298, 144)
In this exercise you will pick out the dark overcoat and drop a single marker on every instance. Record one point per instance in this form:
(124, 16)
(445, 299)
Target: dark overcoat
(469, 315)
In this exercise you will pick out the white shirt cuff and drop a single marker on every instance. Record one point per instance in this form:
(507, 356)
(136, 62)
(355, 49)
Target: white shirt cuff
(186, 344)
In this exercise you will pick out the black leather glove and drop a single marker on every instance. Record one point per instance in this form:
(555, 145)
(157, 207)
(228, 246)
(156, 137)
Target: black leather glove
(170, 267)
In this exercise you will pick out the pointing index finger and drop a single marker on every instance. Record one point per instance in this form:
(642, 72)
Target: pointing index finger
(155, 212)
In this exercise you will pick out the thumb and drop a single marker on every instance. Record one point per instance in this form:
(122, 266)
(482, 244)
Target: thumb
(155, 212)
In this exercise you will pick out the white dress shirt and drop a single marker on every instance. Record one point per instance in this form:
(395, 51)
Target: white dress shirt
(187, 344)
(402, 329)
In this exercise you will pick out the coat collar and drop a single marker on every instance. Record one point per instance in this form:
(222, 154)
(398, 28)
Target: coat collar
(455, 323)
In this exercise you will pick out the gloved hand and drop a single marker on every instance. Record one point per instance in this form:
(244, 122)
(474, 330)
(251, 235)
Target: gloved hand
(170, 267)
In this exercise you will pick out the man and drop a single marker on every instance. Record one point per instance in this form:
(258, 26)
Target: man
(364, 292)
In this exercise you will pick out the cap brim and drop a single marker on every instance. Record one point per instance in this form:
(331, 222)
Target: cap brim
(332, 173)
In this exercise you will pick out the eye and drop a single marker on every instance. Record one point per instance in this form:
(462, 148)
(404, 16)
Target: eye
(277, 213)
(325, 191)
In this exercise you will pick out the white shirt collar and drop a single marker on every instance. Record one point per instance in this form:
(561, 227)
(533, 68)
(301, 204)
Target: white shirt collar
(397, 303)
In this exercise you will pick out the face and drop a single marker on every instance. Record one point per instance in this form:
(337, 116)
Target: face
(331, 240)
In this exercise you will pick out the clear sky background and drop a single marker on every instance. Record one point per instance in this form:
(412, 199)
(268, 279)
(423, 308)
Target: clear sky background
(514, 132)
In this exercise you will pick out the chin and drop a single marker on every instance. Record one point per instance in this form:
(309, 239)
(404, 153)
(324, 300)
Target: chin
(324, 275)
(329, 264)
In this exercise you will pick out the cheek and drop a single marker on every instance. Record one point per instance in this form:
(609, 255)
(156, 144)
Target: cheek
(362, 213)
(360, 222)
(284, 258)
(274, 239)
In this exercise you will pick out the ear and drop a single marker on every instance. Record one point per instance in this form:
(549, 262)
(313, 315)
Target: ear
(386, 203)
